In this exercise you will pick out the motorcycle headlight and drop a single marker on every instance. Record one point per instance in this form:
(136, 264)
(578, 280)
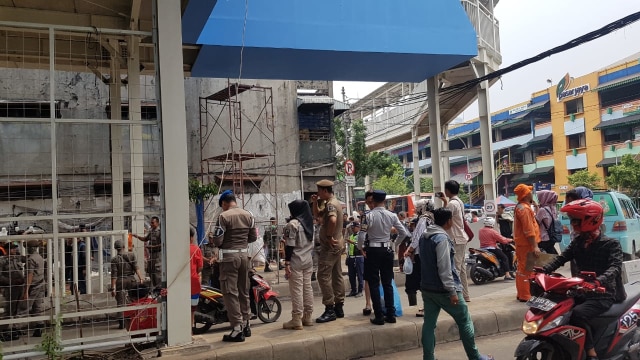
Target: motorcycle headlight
(530, 327)
(555, 323)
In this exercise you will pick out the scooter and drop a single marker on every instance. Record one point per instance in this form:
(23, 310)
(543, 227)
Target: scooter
(211, 310)
(551, 337)
(486, 266)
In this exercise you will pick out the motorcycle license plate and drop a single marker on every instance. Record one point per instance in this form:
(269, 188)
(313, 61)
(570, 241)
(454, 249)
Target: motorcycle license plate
(541, 303)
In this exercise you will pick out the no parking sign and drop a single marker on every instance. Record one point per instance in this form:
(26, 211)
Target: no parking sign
(490, 207)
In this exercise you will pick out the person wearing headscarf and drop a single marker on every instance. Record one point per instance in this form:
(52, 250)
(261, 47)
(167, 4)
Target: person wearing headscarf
(526, 235)
(418, 226)
(545, 216)
(298, 236)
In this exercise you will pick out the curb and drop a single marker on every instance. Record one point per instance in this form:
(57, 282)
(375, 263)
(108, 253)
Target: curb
(354, 339)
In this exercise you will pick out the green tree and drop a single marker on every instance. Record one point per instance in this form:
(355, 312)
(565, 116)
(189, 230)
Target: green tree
(625, 175)
(426, 185)
(374, 164)
(585, 178)
(395, 184)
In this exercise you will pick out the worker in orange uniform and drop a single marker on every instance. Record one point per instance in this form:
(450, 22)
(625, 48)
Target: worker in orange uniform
(526, 235)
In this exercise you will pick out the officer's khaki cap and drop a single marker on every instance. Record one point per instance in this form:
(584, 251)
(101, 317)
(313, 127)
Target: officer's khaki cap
(325, 183)
(33, 243)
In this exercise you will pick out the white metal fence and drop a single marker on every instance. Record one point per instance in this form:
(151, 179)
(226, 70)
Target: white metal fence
(80, 144)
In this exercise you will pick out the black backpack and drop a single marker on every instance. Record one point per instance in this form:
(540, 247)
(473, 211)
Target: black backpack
(555, 229)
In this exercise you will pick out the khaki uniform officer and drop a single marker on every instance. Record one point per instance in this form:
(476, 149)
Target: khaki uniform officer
(123, 270)
(235, 229)
(12, 284)
(34, 289)
(331, 247)
(154, 244)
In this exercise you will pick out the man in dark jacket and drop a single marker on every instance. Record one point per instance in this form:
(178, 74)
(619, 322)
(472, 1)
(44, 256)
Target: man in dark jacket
(593, 252)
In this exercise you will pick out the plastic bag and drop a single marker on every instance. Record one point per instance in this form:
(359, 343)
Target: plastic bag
(396, 299)
(407, 268)
(256, 251)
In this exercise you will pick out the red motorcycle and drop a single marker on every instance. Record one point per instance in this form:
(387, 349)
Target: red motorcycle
(551, 337)
(211, 310)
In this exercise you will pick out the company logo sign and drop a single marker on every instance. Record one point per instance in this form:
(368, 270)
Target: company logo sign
(563, 89)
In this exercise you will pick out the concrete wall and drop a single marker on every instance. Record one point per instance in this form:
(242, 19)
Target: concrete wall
(83, 149)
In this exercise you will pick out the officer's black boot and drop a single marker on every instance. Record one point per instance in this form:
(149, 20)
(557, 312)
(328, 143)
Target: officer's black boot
(246, 329)
(339, 310)
(38, 331)
(413, 300)
(328, 315)
(378, 319)
(236, 335)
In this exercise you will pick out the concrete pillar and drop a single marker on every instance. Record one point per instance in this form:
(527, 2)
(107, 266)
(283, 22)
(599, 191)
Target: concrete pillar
(174, 188)
(486, 141)
(435, 135)
(117, 171)
(416, 163)
(446, 163)
(135, 141)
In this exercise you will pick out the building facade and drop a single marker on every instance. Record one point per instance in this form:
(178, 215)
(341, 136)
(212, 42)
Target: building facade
(582, 122)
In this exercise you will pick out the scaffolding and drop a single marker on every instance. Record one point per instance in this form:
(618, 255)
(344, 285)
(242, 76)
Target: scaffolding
(235, 158)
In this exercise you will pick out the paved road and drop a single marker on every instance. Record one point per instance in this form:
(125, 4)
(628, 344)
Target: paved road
(500, 346)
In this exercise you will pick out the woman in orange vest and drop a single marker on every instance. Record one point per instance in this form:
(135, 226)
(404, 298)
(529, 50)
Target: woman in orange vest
(526, 235)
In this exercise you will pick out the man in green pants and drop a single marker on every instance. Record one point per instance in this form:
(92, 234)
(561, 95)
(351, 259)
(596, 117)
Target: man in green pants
(441, 287)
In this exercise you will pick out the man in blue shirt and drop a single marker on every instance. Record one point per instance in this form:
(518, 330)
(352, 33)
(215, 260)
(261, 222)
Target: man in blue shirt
(441, 287)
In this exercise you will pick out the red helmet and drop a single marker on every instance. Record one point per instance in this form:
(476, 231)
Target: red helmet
(589, 211)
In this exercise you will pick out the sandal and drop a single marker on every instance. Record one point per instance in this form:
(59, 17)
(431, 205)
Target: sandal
(420, 313)
(366, 311)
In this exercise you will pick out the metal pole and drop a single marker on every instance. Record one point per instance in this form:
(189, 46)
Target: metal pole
(434, 132)
(347, 125)
(59, 294)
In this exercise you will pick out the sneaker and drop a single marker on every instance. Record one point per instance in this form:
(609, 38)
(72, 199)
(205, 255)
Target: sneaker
(489, 357)
(358, 294)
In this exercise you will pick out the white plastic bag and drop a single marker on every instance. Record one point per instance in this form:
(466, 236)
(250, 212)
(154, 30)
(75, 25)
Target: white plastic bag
(407, 268)
(256, 252)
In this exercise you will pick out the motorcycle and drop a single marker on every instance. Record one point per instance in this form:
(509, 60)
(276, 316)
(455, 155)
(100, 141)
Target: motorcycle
(485, 265)
(551, 337)
(210, 311)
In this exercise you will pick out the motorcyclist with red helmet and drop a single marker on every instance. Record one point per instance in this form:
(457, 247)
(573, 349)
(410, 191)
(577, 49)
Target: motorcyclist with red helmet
(593, 252)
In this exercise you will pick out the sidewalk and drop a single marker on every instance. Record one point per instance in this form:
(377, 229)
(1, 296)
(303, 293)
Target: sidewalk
(353, 336)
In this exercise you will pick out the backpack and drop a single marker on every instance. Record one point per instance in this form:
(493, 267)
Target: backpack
(554, 230)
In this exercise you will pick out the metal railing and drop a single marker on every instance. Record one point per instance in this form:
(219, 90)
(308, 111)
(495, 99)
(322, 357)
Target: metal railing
(94, 301)
(486, 25)
(510, 168)
(476, 194)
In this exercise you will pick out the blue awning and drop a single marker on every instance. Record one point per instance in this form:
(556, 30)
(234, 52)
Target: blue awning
(328, 40)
